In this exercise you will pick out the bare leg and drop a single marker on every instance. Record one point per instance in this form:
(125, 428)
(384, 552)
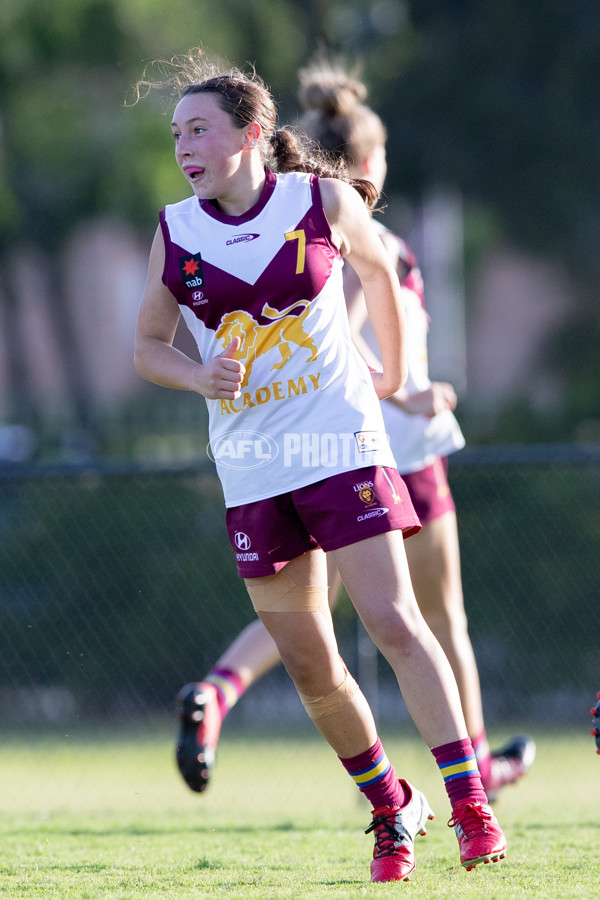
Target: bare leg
(204, 705)
(334, 581)
(309, 651)
(434, 562)
(252, 653)
(383, 596)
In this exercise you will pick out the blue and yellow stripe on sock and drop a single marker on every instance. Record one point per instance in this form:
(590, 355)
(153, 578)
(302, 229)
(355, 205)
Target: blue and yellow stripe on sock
(226, 687)
(372, 774)
(459, 768)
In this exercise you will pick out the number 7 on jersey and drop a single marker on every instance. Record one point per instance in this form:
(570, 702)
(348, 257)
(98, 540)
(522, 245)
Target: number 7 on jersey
(300, 236)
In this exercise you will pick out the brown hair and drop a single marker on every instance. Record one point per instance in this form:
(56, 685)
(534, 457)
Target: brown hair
(335, 114)
(246, 98)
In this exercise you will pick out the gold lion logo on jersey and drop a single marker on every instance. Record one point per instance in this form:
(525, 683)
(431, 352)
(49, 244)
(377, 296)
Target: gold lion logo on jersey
(256, 340)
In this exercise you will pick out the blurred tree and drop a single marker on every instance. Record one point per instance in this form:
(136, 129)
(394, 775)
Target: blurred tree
(57, 145)
(503, 100)
(499, 100)
(72, 149)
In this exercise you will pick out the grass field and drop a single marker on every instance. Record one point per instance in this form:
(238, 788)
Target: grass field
(109, 817)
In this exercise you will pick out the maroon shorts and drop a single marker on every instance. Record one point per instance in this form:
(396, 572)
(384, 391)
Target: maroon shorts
(332, 513)
(430, 492)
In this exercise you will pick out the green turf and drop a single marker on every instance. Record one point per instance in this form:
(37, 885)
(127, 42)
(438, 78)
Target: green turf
(109, 817)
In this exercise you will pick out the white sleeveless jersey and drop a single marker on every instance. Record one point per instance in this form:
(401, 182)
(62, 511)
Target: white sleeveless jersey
(273, 277)
(417, 441)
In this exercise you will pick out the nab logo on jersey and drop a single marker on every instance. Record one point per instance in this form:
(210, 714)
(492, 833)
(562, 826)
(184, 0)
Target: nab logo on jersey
(191, 270)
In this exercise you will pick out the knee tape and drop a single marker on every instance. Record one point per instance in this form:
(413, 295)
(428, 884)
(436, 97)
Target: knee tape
(319, 707)
(280, 593)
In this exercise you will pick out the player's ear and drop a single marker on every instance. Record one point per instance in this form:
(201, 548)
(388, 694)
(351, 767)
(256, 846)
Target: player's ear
(252, 136)
(366, 166)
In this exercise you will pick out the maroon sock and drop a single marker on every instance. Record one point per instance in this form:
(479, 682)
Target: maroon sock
(482, 755)
(375, 777)
(459, 770)
(230, 688)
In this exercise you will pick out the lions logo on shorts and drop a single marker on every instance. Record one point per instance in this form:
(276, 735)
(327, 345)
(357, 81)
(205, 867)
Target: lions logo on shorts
(367, 494)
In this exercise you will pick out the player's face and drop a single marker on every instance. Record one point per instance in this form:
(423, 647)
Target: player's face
(208, 146)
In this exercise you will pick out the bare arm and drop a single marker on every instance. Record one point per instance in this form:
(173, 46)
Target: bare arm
(359, 244)
(155, 357)
(358, 316)
(439, 395)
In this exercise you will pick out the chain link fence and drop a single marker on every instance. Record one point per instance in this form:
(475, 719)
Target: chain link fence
(118, 585)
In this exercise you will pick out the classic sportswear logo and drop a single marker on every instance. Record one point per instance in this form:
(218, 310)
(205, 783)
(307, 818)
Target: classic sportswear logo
(241, 239)
(373, 513)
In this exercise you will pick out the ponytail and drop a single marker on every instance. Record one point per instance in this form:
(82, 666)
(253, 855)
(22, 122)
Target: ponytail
(293, 152)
